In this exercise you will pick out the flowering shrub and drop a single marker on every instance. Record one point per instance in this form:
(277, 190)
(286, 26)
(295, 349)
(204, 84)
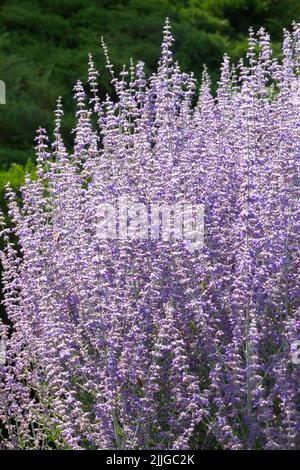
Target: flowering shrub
(129, 344)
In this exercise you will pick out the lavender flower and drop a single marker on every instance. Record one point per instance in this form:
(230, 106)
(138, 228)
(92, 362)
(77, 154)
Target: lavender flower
(130, 344)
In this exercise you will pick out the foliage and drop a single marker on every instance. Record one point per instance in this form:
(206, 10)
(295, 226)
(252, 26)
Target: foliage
(145, 343)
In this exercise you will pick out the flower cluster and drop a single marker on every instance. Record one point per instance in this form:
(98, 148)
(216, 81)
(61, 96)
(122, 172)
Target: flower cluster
(142, 344)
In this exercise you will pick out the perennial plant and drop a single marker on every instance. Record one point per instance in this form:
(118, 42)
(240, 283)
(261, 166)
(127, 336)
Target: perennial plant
(141, 343)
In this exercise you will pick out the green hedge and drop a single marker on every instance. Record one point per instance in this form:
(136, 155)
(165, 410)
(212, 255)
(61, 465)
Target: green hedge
(15, 175)
(44, 46)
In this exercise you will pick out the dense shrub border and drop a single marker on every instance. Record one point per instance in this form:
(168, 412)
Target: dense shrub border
(143, 343)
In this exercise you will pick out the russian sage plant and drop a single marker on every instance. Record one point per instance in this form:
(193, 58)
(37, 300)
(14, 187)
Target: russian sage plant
(142, 343)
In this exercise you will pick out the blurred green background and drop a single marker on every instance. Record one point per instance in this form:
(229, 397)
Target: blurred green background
(44, 46)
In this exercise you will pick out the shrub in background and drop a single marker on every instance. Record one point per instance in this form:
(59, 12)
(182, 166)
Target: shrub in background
(15, 175)
(41, 57)
(128, 344)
